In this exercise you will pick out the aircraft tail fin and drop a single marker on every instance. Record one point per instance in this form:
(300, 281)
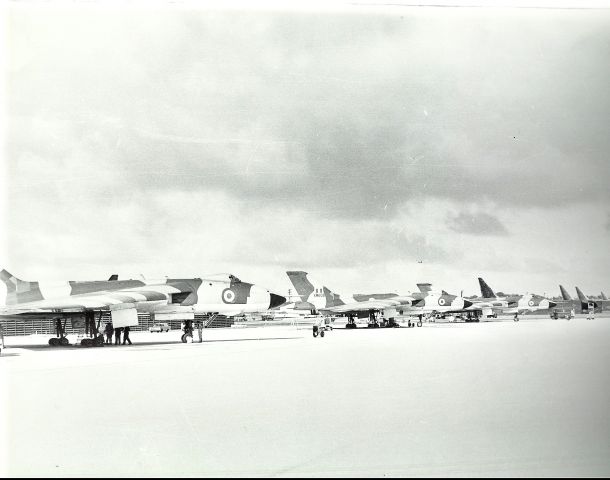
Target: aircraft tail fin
(114, 277)
(564, 293)
(19, 291)
(604, 296)
(486, 291)
(424, 287)
(583, 298)
(301, 284)
(332, 299)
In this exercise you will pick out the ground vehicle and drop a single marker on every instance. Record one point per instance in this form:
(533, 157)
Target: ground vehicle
(321, 326)
(159, 327)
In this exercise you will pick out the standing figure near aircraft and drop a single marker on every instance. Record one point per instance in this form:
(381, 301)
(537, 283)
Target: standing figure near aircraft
(58, 328)
(126, 335)
(108, 331)
(117, 336)
(200, 331)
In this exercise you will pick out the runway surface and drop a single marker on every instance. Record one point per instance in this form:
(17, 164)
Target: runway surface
(488, 399)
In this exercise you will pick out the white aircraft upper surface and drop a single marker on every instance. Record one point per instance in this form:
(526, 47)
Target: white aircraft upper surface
(219, 294)
(322, 299)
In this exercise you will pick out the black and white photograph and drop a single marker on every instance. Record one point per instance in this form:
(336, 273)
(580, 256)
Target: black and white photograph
(291, 239)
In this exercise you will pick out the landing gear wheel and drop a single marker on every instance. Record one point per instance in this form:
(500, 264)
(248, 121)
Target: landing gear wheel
(99, 341)
(419, 323)
(86, 342)
(63, 341)
(183, 338)
(315, 332)
(54, 342)
(321, 333)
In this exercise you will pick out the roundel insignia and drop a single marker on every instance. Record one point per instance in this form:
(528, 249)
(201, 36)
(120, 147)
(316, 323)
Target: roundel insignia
(228, 295)
(531, 303)
(441, 301)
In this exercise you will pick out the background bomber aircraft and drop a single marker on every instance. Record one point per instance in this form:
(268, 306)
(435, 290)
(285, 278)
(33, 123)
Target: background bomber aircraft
(490, 303)
(215, 294)
(584, 303)
(390, 305)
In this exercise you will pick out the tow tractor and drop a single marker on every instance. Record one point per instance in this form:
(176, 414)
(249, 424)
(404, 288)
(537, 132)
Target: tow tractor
(321, 326)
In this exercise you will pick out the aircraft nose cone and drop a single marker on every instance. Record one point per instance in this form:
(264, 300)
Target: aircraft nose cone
(467, 304)
(276, 300)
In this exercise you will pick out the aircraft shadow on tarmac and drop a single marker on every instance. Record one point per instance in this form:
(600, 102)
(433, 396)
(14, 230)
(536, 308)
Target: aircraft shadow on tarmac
(138, 344)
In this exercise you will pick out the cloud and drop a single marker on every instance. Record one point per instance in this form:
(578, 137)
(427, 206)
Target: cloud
(297, 109)
(476, 224)
(196, 140)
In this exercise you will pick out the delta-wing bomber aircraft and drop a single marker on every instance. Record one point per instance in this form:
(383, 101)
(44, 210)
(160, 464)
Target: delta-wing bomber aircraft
(214, 294)
(491, 303)
(320, 298)
(584, 304)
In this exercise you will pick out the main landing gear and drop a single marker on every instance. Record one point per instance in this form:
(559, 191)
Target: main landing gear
(93, 337)
(373, 320)
(351, 323)
(187, 336)
(60, 331)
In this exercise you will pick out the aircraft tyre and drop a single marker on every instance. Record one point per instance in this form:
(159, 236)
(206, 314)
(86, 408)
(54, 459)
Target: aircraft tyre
(99, 341)
(183, 338)
(321, 333)
(419, 323)
(86, 342)
(63, 341)
(54, 342)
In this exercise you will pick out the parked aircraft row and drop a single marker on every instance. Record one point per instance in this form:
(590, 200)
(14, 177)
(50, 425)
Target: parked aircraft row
(584, 303)
(184, 297)
(427, 301)
(225, 294)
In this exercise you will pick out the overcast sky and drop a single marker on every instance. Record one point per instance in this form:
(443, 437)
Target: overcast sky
(352, 143)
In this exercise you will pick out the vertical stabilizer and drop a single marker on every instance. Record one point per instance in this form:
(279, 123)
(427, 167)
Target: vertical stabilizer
(19, 291)
(604, 296)
(564, 293)
(424, 287)
(486, 291)
(583, 298)
(332, 299)
(301, 284)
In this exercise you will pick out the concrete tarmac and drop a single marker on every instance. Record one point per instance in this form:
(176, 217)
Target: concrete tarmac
(487, 399)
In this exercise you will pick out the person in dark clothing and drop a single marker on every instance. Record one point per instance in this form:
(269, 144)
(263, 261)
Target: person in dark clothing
(108, 331)
(117, 336)
(59, 328)
(126, 335)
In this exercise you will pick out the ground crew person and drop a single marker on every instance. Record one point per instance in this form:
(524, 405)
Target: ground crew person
(58, 328)
(108, 331)
(126, 335)
(200, 331)
(117, 336)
